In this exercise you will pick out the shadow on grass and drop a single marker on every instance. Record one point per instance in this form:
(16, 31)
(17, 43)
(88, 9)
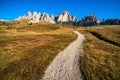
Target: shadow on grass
(104, 38)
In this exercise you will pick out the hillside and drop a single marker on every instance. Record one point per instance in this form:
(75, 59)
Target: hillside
(26, 51)
(100, 59)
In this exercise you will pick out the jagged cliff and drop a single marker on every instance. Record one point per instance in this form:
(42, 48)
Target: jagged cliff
(65, 18)
(37, 17)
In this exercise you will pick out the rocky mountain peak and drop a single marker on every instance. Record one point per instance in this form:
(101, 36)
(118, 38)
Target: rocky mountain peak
(35, 13)
(65, 13)
(45, 17)
(73, 18)
(29, 13)
(37, 17)
(64, 17)
(52, 17)
(90, 18)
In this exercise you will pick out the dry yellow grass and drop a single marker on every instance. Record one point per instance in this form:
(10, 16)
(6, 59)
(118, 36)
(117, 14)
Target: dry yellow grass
(100, 59)
(26, 52)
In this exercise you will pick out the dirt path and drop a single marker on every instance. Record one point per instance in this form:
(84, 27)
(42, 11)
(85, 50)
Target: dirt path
(66, 65)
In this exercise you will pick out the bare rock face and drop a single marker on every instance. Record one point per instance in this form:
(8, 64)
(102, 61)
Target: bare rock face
(52, 17)
(64, 17)
(45, 17)
(89, 20)
(73, 18)
(35, 17)
(28, 16)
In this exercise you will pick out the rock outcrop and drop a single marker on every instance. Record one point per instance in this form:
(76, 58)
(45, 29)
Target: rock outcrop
(73, 18)
(45, 17)
(35, 17)
(52, 17)
(65, 17)
(90, 20)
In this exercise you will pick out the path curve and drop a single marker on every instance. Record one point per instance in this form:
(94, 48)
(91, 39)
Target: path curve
(66, 65)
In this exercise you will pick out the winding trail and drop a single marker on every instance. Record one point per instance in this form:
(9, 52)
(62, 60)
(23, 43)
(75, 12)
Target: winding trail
(66, 65)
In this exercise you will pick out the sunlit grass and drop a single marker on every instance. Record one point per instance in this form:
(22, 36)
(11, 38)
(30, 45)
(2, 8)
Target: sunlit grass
(100, 59)
(26, 57)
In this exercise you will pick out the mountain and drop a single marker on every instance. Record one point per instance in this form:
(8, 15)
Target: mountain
(37, 17)
(45, 17)
(89, 20)
(65, 17)
(52, 17)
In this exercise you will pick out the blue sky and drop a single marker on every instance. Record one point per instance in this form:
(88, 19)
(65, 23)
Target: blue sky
(11, 9)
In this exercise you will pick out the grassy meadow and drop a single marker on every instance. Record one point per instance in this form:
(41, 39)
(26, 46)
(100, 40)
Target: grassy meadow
(27, 50)
(100, 58)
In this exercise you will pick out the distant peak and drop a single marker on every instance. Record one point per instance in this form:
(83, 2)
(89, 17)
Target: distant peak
(34, 12)
(65, 12)
(29, 13)
(37, 17)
